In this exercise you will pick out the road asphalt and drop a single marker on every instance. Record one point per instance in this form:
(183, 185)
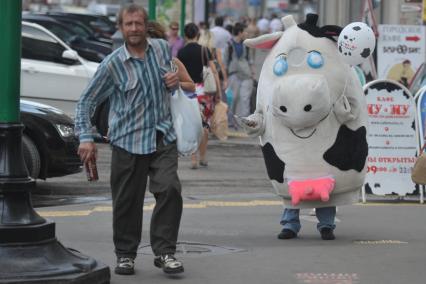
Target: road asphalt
(230, 224)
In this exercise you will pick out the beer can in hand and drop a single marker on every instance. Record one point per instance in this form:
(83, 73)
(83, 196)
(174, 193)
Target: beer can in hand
(91, 170)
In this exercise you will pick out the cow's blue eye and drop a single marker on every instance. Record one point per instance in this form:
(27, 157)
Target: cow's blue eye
(280, 66)
(315, 60)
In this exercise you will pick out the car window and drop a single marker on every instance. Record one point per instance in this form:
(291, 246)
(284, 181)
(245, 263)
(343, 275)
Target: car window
(77, 26)
(38, 45)
(60, 32)
(107, 22)
(80, 30)
(100, 25)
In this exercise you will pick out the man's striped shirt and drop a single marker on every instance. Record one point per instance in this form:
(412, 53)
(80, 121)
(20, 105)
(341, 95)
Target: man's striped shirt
(139, 100)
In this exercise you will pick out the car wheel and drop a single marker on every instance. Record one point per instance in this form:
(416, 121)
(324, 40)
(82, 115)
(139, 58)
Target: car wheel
(31, 157)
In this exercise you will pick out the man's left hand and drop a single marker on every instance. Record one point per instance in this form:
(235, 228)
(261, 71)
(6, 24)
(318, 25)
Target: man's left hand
(171, 79)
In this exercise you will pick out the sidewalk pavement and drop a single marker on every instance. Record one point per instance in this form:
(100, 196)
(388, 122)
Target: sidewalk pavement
(236, 166)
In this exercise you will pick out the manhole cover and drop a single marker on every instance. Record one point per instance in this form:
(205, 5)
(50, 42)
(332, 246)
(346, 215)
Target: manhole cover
(189, 248)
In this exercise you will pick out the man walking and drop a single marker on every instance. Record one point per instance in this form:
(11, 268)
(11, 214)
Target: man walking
(240, 72)
(221, 35)
(137, 81)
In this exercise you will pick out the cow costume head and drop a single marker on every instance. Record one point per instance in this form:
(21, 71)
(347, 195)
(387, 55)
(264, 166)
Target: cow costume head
(311, 116)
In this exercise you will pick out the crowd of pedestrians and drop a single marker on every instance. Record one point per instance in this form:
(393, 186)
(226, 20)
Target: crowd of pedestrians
(221, 48)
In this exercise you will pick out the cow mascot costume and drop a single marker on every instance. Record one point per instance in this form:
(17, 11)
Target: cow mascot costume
(311, 117)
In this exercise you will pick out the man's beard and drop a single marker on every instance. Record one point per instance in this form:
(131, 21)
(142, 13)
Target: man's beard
(134, 41)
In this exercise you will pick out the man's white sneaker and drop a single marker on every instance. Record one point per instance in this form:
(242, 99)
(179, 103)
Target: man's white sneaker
(169, 264)
(125, 266)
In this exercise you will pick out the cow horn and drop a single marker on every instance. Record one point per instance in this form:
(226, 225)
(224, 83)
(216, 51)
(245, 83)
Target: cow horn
(311, 19)
(288, 21)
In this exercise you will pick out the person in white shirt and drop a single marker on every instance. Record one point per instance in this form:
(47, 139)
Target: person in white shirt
(275, 25)
(221, 35)
(263, 25)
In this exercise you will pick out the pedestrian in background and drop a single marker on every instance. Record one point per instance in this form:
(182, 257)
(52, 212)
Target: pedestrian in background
(203, 26)
(138, 83)
(175, 41)
(206, 36)
(156, 30)
(275, 25)
(252, 31)
(221, 35)
(194, 57)
(207, 40)
(229, 29)
(240, 73)
(263, 25)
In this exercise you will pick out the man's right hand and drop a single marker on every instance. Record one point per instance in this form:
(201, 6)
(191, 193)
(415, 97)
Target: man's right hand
(87, 151)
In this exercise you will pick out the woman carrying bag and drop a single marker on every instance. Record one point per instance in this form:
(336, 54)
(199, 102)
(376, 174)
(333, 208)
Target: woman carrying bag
(196, 58)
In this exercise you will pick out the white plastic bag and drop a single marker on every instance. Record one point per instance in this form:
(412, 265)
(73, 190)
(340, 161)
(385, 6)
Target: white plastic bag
(187, 122)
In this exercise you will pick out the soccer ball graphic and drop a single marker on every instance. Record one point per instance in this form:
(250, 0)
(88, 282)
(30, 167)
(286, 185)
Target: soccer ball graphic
(356, 43)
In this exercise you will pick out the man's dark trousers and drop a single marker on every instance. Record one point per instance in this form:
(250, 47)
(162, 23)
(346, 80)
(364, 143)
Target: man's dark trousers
(129, 174)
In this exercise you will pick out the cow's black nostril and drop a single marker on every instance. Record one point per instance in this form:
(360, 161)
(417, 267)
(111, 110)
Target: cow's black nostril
(283, 108)
(307, 108)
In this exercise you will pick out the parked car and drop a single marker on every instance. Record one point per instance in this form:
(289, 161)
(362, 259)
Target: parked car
(85, 31)
(51, 72)
(101, 25)
(86, 48)
(49, 144)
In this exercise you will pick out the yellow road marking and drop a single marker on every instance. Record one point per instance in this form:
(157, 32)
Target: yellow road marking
(102, 209)
(240, 203)
(200, 205)
(194, 206)
(64, 213)
(380, 242)
(389, 204)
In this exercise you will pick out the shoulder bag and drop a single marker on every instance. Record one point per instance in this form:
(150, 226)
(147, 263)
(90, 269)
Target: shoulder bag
(208, 76)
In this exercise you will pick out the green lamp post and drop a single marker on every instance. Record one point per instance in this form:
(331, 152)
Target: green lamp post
(152, 12)
(29, 250)
(182, 16)
(10, 67)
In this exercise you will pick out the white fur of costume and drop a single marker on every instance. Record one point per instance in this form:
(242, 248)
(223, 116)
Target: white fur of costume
(311, 120)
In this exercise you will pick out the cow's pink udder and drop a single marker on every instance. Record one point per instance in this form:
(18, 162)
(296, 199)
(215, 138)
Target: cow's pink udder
(311, 189)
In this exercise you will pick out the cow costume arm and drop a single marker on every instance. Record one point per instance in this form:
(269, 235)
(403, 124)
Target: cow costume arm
(254, 124)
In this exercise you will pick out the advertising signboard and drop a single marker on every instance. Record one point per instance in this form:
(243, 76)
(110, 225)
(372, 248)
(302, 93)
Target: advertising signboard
(392, 138)
(411, 12)
(400, 51)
